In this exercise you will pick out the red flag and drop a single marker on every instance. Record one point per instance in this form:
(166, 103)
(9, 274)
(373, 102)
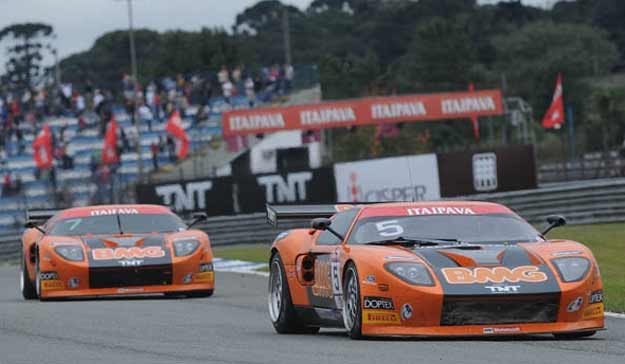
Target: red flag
(42, 148)
(174, 127)
(476, 124)
(109, 150)
(554, 118)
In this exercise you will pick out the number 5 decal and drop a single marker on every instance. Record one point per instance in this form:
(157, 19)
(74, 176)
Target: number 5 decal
(389, 228)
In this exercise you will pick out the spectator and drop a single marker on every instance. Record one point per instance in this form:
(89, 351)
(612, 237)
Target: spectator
(6, 185)
(171, 148)
(222, 76)
(228, 89)
(250, 92)
(145, 115)
(154, 150)
(289, 74)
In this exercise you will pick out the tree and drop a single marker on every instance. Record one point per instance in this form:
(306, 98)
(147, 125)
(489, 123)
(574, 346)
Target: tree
(27, 41)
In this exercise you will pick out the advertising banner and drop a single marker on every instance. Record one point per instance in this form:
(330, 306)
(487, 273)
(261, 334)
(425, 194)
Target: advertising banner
(410, 178)
(410, 108)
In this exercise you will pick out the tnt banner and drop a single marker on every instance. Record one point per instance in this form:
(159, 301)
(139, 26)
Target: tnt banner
(411, 108)
(490, 170)
(308, 186)
(410, 178)
(212, 196)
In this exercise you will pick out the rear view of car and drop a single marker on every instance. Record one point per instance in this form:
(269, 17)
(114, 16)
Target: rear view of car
(114, 250)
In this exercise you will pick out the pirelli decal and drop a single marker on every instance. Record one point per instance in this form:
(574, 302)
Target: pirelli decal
(380, 317)
(460, 275)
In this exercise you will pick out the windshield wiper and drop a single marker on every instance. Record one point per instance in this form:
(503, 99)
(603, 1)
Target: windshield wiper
(411, 241)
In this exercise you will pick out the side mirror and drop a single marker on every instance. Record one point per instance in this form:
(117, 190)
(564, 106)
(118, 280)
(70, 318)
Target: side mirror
(197, 217)
(33, 225)
(323, 224)
(554, 221)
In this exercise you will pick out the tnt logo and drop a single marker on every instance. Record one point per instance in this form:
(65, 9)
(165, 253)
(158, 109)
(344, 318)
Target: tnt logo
(184, 199)
(291, 190)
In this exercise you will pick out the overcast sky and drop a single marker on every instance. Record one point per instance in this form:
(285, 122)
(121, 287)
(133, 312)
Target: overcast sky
(79, 22)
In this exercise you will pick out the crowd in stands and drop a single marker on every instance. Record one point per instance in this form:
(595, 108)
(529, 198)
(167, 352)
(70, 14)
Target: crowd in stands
(23, 111)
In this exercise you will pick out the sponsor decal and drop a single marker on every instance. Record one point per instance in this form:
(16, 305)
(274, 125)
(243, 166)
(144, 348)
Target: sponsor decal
(256, 121)
(406, 311)
(399, 257)
(370, 279)
(323, 279)
(501, 330)
(596, 297)
(187, 278)
(131, 290)
(127, 253)
(114, 211)
(530, 274)
(398, 110)
(380, 317)
(503, 289)
(48, 276)
(485, 172)
(292, 190)
(468, 105)
(378, 303)
(565, 253)
(593, 311)
(327, 116)
(204, 277)
(131, 263)
(575, 305)
(190, 197)
(282, 235)
(440, 211)
(73, 283)
(52, 285)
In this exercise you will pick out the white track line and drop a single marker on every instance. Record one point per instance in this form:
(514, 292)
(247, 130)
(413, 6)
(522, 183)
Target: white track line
(615, 315)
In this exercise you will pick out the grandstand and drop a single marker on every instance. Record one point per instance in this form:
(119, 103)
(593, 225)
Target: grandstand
(79, 181)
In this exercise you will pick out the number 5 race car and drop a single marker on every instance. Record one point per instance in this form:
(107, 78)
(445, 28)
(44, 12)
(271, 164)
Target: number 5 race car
(114, 250)
(429, 269)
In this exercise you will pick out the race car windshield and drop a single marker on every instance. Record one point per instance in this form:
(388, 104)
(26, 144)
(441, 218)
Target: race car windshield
(481, 229)
(118, 224)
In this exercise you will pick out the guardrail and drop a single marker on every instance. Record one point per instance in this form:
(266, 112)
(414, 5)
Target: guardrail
(588, 202)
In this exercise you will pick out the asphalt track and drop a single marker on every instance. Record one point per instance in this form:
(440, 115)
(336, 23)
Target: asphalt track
(233, 327)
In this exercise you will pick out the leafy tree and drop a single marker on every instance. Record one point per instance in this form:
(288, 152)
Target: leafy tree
(27, 41)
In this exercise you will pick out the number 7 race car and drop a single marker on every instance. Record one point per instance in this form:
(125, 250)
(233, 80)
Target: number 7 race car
(114, 250)
(429, 269)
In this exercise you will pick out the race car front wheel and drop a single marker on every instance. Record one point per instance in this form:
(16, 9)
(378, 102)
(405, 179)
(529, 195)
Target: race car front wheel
(352, 312)
(281, 310)
(29, 291)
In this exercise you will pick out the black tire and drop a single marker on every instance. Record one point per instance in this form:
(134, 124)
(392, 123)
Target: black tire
(352, 309)
(29, 292)
(281, 310)
(574, 335)
(37, 278)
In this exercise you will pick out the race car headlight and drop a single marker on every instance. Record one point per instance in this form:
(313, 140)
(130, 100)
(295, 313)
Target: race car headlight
(70, 252)
(413, 273)
(184, 247)
(572, 269)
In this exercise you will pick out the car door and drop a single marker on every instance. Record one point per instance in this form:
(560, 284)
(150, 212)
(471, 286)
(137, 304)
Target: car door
(327, 292)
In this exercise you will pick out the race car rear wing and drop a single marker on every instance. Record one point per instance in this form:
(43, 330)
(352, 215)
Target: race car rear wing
(276, 213)
(39, 216)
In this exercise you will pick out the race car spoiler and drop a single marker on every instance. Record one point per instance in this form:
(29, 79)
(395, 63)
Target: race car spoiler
(275, 213)
(39, 216)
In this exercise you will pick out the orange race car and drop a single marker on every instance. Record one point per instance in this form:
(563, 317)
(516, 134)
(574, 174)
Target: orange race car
(114, 250)
(429, 269)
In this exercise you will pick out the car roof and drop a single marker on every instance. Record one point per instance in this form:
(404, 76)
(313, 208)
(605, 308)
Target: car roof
(99, 210)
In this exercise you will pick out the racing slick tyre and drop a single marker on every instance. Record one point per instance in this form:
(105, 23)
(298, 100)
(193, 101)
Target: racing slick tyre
(281, 310)
(38, 278)
(352, 312)
(574, 335)
(29, 292)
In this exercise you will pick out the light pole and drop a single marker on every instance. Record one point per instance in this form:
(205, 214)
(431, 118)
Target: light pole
(135, 84)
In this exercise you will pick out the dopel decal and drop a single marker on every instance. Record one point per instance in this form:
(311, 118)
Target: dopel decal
(380, 317)
(418, 211)
(596, 297)
(128, 253)
(119, 211)
(378, 303)
(528, 274)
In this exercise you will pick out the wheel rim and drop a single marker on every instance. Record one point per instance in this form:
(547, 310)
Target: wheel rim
(38, 281)
(22, 276)
(275, 291)
(350, 308)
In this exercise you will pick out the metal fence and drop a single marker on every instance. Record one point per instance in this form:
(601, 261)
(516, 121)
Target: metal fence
(598, 201)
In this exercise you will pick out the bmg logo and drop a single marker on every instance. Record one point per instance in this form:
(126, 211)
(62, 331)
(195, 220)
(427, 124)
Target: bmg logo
(485, 172)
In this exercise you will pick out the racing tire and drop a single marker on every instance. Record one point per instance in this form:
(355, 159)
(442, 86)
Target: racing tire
(574, 335)
(281, 310)
(352, 309)
(38, 278)
(29, 292)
